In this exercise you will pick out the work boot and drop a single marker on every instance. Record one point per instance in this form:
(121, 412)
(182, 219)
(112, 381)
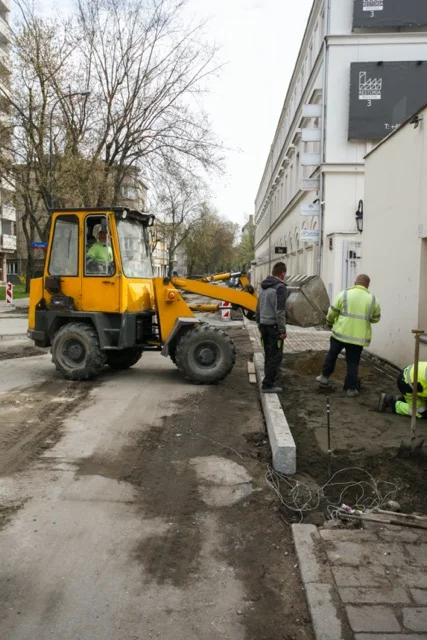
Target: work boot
(272, 389)
(323, 380)
(352, 393)
(385, 402)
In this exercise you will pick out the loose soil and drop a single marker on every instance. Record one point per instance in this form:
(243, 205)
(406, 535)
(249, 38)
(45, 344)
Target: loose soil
(224, 421)
(19, 350)
(31, 420)
(360, 435)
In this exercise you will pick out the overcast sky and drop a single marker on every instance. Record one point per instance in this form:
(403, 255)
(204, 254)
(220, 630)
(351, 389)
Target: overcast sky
(259, 42)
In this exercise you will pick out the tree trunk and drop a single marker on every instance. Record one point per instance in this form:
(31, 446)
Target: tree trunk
(29, 271)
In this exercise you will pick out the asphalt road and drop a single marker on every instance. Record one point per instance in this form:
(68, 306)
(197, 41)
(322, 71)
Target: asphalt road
(130, 509)
(13, 325)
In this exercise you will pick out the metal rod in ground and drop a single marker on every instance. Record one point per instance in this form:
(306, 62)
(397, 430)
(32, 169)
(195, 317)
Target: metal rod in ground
(328, 417)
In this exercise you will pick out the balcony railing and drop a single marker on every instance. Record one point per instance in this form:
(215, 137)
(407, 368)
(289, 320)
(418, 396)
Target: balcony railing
(4, 30)
(5, 90)
(4, 6)
(4, 61)
(8, 212)
(7, 242)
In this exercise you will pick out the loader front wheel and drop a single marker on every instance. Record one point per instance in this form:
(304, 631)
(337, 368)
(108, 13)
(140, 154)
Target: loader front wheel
(205, 354)
(76, 352)
(123, 359)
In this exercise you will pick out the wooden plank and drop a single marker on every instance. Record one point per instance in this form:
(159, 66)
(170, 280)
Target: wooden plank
(252, 378)
(251, 367)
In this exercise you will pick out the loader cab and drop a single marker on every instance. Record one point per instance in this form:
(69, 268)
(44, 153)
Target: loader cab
(97, 261)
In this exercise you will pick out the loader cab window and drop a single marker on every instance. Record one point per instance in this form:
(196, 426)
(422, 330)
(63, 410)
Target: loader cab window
(99, 257)
(134, 249)
(64, 254)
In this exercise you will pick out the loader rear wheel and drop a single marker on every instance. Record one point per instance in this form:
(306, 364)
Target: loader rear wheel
(76, 352)
(123, 359)
(205, 354)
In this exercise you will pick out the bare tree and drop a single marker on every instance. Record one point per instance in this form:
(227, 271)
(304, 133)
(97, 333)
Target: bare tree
(145, 69)
(180, 205)
(40, 67)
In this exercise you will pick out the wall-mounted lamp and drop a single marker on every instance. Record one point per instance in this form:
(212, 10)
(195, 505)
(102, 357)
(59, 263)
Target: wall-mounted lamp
(416, 121)
(359, 217)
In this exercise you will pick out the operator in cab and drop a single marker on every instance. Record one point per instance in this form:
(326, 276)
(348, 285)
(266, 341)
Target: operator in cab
(99, 258)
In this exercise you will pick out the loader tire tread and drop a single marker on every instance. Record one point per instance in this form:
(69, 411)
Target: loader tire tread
(202, 336)
(124, 358)
(172, 347)
(92, 359)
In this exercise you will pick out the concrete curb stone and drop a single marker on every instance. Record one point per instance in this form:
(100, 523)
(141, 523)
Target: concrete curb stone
(327, 613)
(281, 440)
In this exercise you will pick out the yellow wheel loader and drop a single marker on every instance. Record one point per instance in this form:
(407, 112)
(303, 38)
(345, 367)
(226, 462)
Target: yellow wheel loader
(98, 304)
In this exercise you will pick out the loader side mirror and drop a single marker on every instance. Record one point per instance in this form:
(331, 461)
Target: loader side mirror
(52, 284)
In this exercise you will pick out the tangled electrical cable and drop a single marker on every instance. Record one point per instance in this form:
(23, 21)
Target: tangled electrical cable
(299, 498)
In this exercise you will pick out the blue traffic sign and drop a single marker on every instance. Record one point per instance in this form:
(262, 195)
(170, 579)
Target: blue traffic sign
(39, 245)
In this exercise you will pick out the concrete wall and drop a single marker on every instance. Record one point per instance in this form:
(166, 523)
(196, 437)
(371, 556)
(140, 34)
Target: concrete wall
(394, 249)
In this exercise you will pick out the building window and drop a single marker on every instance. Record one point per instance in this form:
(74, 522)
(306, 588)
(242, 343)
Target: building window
(8, 227)
(130, 193)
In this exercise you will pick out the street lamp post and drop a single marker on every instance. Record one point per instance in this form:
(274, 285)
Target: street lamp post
(85, 92)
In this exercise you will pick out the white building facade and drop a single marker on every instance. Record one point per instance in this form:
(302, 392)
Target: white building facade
(7, 200)
(395, 239)
(339, 104)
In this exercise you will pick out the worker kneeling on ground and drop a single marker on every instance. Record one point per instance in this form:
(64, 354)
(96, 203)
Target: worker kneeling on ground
(351, 315)
(402, 405)
(99, 258)
(271, 318)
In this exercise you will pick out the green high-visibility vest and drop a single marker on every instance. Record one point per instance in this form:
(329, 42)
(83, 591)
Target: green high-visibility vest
(352, 313)
(408, 376)
(99, 253)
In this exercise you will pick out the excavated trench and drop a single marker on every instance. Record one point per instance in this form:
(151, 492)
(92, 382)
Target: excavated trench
(364, 442)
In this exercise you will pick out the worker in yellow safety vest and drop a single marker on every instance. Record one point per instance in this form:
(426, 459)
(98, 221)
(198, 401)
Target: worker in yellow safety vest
(402, 405)
(351, 315)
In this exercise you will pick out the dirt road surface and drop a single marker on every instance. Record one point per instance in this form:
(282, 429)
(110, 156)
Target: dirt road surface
(136, 507)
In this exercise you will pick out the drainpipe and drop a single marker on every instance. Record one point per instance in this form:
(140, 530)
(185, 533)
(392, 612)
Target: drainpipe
(323, 139)
(270, 221)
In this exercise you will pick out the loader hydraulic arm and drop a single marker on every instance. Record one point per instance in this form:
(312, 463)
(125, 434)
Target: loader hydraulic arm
(244, 297)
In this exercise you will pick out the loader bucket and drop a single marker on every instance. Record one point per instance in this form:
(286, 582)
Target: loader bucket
(308, 301)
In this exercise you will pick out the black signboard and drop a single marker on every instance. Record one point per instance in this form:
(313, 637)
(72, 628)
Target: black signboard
(389, 13)
(383, 95)
(280, 250)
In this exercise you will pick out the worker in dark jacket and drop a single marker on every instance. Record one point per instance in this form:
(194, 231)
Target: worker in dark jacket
(271, 319)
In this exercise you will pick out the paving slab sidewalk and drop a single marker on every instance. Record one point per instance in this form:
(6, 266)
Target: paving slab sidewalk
(364, 584)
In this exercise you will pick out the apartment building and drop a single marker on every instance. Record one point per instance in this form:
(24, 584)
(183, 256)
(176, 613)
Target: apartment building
(360, 72)
(7, 208)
